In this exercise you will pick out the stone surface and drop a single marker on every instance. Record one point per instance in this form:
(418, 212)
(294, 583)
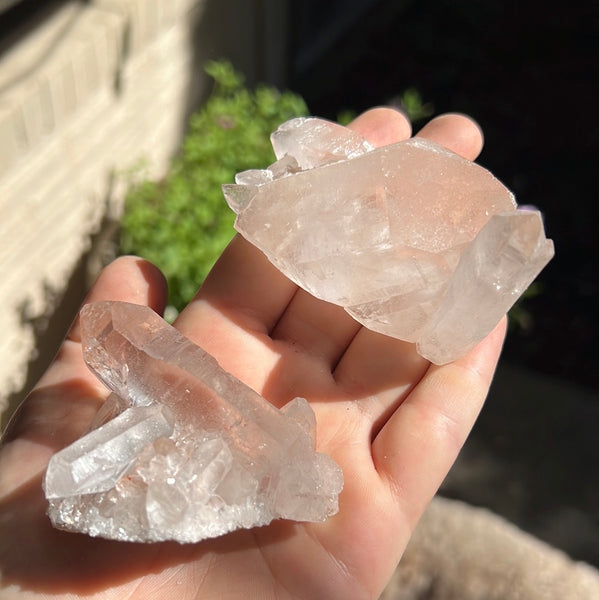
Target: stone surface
(411, 239)
(182, 449)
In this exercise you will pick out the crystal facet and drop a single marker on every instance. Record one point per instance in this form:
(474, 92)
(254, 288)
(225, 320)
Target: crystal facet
(411, 239)
(193, 452)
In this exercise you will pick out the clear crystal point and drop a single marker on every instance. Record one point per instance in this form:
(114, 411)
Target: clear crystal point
(98, 460)
(314, 142)
(411, 239)
(196, 454)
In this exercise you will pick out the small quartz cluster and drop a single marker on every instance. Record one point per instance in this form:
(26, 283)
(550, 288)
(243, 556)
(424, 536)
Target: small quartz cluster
(181, 450)
(414, 241)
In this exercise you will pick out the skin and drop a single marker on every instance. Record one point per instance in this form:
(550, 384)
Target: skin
(391, 420)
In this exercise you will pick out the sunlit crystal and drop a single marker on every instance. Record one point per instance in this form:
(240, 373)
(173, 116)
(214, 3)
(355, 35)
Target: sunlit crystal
(411, 239)
(103, 456)
(195, 452)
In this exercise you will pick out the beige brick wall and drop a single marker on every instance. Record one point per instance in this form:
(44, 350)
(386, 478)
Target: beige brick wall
(89, 92)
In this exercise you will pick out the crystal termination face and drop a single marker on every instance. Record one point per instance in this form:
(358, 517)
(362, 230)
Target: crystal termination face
(411, 239)
(182, 450)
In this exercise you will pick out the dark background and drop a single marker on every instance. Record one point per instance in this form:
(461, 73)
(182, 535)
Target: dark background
(527, 71)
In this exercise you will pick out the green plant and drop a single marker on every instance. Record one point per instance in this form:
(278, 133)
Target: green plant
(182, 223)
(415, 108)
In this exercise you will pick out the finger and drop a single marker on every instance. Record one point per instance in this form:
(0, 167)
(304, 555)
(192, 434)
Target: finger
(458, 133)
(316, 327)
(129, 279)
(381, 371)
(385, 383)
(245, 295)
(234, 310)
(322, 328)
(245, 286)
(382, 126)
(419, 443)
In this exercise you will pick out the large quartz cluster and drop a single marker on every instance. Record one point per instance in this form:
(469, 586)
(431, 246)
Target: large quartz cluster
(181, 449)
(411, 239)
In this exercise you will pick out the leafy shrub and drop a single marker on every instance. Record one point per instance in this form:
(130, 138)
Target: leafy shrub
(183, 223)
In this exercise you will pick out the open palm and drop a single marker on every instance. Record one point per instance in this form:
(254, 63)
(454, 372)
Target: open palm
(393, 422)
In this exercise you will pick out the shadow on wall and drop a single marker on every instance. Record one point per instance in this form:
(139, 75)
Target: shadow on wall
(247, 32)
(50, 328)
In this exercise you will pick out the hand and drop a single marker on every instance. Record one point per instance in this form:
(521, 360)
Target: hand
(391, 420)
